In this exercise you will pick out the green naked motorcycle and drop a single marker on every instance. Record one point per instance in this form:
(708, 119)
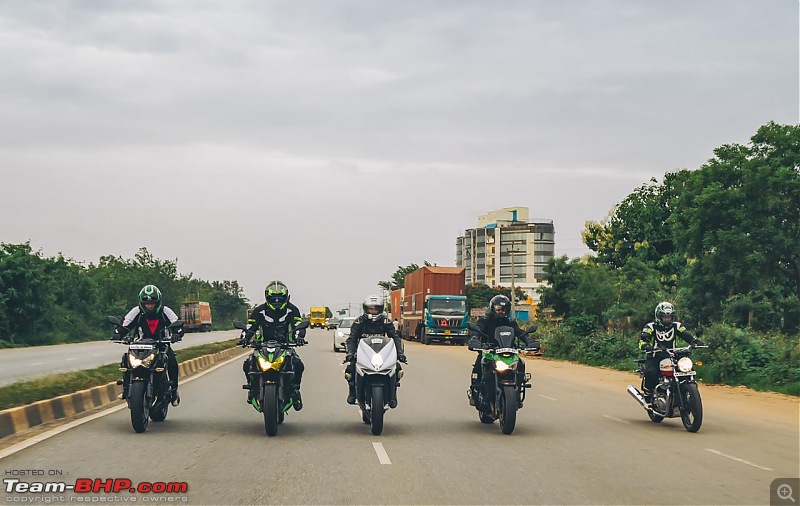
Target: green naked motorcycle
(274, 378)
(501, 391)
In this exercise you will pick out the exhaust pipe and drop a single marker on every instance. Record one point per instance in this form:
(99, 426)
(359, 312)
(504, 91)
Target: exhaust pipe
(636, 395)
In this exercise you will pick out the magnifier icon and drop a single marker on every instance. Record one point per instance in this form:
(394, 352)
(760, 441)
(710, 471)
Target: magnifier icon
(785, 492)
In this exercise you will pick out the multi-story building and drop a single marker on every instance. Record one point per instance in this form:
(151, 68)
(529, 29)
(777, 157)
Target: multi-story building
(507, 243)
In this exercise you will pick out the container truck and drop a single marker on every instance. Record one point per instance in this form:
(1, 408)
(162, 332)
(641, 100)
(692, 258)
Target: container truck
(434, 305)
(196, 316)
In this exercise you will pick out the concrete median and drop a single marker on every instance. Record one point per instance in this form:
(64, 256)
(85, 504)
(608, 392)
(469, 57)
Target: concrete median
(20, 418)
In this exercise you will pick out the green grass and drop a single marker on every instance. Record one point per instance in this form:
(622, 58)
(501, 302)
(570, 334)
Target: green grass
(53, 385)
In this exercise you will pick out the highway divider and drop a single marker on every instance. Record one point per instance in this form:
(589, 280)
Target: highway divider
(20, 418)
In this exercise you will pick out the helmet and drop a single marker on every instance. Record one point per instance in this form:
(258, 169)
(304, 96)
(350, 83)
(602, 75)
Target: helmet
(665, 314)
(150, 294)
(373, 307)
(500, 306)
(276, 294)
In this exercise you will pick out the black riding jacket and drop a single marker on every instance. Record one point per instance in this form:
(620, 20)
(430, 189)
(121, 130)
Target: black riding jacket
(658, 337)
(148, 327)
(364, 327)
(275, 324)
(488, 324)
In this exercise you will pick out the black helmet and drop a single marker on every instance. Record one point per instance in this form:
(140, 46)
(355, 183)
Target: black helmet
(665, 314)
(500, 306)
(150, 294)
(374, 302)
(276, 294)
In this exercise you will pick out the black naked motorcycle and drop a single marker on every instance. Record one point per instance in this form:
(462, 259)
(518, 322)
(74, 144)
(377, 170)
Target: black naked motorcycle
(273, 368)
(676, 393)
(501, 391)
(144, 367)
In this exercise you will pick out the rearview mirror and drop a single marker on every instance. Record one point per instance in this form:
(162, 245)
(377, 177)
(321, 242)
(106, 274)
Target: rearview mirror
(239, 325)
(114, 320)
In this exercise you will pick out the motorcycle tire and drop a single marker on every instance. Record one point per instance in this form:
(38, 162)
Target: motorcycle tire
(508, 409)
(376, 415)
(269, 407)
(140, 410)
(654, 417)
(365, 417)
(159, 414)
(485, 418)
(692, 414)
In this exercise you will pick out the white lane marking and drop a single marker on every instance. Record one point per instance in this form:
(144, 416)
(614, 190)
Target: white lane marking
(58, 430)
(615, 419)
(38, 363)
(737, 459)
(383, 457)
(73, 358)
(546, 397)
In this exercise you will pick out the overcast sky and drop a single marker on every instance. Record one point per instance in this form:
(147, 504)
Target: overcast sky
(327, 143)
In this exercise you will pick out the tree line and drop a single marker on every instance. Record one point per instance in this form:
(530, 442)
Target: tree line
(52, 300)
(721, 242)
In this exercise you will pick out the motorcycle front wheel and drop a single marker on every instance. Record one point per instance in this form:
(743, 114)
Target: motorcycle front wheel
(692, 412)
(508, 409)
(269, 407)
(376, 415)
(140, 409)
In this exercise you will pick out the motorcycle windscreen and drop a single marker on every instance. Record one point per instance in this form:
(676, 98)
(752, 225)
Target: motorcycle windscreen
(377, 343)
(504, 336)
(376, 354)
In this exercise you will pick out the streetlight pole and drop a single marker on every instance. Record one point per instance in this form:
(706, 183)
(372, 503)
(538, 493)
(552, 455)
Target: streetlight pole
(513, 292)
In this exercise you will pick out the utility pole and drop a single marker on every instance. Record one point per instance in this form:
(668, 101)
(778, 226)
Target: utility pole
(513, 292)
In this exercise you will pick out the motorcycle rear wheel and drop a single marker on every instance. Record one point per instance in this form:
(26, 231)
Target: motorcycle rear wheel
(140, 410)
(654, 417)
(159, 414)
(692, 414)
(485, 418)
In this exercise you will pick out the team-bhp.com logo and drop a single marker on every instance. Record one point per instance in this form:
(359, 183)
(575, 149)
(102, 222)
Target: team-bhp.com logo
(95, 486)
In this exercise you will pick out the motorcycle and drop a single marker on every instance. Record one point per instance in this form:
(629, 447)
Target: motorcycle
(676, 393)
(274, 378)
(501, 391)
(376, 366)
(149, 390)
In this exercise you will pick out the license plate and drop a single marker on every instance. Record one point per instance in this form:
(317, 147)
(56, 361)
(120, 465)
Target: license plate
(141, 346)
(447, 332)
(505, 350)
(376, 340)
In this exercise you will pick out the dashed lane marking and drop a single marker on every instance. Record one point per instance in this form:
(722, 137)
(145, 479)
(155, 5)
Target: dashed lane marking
(615, 419)
(737, 459)
(383, 457)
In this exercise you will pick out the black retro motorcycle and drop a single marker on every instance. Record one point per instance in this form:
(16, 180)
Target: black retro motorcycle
(501, 391)
(676, 393)
(275, 374)
(144, 367)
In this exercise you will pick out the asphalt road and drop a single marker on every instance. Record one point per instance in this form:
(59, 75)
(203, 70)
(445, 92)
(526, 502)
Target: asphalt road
(26, 363)
(580, 439)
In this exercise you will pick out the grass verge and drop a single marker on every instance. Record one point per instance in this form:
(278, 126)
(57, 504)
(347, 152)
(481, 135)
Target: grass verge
(53, 385)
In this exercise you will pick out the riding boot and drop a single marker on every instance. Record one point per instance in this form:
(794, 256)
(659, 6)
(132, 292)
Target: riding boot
(297, 399)
(393, 396)
(351, 392)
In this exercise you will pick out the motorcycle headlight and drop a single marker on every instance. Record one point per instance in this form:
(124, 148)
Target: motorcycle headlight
(135, 361)
(685, 364)
(265, 364)
(377, 361)
(501, 366)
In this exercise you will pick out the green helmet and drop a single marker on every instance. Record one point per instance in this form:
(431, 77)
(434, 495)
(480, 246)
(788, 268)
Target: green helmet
(276, 294)
(665, 314)
(148, 295)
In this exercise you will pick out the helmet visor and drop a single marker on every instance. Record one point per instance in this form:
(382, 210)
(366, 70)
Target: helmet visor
(374, 309)
(500, 309)
(276, 300)
(665, 319)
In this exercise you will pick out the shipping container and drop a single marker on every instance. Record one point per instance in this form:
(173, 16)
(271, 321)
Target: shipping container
(446, 287)
(196, 316)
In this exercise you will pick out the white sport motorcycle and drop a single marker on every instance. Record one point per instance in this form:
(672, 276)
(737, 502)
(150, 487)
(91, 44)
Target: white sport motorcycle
(376, 386)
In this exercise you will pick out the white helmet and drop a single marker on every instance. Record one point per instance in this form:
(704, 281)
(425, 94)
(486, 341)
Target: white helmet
(371, 303)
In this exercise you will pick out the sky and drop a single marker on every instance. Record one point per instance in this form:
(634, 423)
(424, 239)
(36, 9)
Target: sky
(327, 143)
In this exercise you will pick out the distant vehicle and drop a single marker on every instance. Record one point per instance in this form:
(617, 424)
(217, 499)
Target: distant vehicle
(332, 322)
(196, 316)
(432, 305)
(341, 334)
(318, 315)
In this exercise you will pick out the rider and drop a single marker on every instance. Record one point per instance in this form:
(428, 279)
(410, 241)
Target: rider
(276, 317)
(661, 334)
(373, 322)
(499, 310)
(149, 319)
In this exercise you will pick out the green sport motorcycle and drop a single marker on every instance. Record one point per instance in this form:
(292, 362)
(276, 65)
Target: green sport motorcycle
(274, 373)
(501, 391)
